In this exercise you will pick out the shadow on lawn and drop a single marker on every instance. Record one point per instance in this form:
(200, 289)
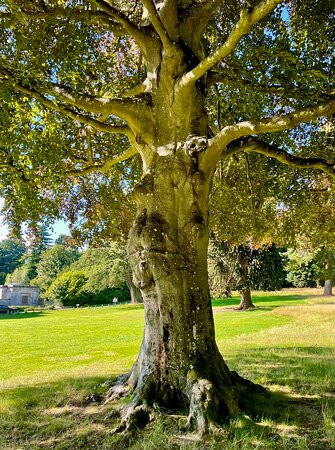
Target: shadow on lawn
(301, 378)
(62, 415)
(260, 299)
(28, 315)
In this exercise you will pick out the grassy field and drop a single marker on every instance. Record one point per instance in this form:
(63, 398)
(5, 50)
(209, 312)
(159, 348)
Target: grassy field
(51, 362)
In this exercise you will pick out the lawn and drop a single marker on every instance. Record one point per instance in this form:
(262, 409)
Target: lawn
(52, 362)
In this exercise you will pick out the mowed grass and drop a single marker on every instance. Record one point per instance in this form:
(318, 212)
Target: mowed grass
(52, 362)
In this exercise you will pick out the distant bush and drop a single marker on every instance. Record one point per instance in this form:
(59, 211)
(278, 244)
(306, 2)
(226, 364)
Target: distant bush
(66, 290)
(300, 269)
(70, 289)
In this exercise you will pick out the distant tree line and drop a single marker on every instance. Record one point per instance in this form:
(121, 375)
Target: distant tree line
(267, 268)
(67, 276)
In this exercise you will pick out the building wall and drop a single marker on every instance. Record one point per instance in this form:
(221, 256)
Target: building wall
(12, 295)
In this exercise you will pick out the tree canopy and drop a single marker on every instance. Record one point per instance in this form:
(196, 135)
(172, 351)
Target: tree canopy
(62, 63)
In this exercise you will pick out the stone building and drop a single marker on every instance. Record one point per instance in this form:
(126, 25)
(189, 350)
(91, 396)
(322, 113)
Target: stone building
(19, 295)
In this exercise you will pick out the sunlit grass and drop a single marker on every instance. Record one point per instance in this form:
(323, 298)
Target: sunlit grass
(51, 361)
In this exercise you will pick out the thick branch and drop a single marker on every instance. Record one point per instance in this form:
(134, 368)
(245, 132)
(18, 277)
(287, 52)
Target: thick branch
(105, 167)
(248, 18)
(258, 146)
(266, 125)
(158, 25)
(94, 123)
(86, 16)
(126, 108)
(136, 32)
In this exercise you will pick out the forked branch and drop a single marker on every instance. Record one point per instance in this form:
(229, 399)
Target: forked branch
(106, 165)
(82, 118)
(195, 20)
(158, 25)
(265, 125)
(248, 18)
(125, 108)
(258, 146)
(139, 34)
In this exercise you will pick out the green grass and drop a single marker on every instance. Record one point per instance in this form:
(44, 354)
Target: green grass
(51, 361)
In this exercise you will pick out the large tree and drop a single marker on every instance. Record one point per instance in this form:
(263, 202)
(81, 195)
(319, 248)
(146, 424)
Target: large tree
(82, 79)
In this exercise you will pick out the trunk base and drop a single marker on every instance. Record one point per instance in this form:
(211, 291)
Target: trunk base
(209, 406)
(246, 302)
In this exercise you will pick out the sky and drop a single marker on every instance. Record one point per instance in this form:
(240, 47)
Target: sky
(59, 227)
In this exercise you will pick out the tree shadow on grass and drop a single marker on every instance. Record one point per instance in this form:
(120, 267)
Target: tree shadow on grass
(260, 299)
(69, 413)
(301, 391)
(27, 315)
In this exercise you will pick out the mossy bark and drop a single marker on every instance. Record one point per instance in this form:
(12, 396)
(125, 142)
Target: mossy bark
(179, 364)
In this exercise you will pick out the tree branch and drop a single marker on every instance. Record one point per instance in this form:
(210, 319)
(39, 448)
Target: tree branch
(266, 125)
(248, 18)
(128, 109)
(10, 165)
(85, 16)
(94, 123)
(255, 145)
(223, 78)
(158, 25)
(105, 167)
(139, 34)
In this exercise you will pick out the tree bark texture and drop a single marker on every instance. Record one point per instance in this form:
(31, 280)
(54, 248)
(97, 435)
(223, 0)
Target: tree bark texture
(179, 364)
(328, 287)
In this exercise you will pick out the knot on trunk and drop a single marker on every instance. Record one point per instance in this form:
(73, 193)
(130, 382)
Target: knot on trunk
(195, 144)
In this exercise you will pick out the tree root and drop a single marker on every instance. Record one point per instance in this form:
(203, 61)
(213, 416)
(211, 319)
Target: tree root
(133, 418)
(204, 408)
(119, 389)
(210, 405)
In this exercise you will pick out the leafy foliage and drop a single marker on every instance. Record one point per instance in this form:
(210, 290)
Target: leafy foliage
(11, 253)
(324, 264)
(241, 267)
(66, 290)
(300, 268)
(52, 262)
(99, 275)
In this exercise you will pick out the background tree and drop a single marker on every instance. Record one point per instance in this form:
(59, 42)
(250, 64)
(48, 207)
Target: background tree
(40, 240)
(324, 263)
(88, 84)
(52, 262)
(11, 253)
(244, 268)
(107, 269)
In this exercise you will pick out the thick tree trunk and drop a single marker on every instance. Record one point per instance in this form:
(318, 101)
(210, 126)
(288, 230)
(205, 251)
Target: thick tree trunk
(328, 287)
(135, 292)
(179, 364)
(246, 302)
